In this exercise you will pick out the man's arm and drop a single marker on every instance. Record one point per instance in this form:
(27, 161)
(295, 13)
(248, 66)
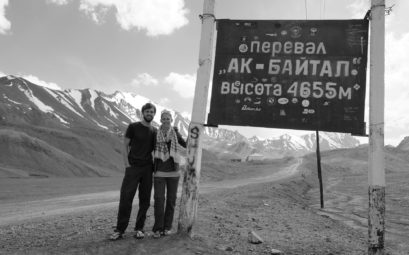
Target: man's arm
(125, 151)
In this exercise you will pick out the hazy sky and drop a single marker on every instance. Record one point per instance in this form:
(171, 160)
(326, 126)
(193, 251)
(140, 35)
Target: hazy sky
(150, 47)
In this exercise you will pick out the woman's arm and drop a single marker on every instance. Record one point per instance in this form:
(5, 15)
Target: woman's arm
(181, 141)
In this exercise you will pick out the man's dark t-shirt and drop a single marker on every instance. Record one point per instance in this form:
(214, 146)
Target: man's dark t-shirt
(142, 143)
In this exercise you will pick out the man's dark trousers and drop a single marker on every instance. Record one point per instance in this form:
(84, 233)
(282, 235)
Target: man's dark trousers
(135, 176)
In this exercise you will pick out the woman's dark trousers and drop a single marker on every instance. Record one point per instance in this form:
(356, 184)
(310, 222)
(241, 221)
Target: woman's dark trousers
(164, 215)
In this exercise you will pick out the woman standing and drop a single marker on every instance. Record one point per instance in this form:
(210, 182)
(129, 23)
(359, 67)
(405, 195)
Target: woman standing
(167, 174)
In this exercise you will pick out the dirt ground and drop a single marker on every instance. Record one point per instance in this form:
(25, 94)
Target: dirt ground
(278, 211)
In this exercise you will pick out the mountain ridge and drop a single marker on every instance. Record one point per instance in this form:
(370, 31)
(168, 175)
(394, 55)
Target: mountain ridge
(23, 102)
(404, 144)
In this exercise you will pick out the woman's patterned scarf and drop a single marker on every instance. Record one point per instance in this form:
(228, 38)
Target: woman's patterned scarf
(161, 148)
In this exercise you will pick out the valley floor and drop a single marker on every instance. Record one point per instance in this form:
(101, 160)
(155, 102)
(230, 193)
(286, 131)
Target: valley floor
(277, 208)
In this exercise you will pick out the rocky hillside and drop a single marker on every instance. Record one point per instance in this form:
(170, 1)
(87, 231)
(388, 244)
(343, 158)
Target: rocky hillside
(46, 160)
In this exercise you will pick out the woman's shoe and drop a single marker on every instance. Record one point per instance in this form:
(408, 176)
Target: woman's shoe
(156, 234)
(139, 234)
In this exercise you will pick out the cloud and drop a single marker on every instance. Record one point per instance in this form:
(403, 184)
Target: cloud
(359, 8)
(187, 115)
(157, 17)
(144, 79)
(184, 84)
(164, 102)
(396, 87)
(59, 2)
(397, 20)
(4, 23)
(37, 81)
(96, 10)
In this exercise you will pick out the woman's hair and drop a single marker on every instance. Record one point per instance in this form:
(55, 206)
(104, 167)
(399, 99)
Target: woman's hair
(165, 112)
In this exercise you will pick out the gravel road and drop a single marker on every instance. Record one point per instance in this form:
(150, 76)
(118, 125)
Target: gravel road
(275, 207)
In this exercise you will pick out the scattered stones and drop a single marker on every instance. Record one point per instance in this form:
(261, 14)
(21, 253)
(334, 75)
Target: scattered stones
(275, 252)
(258, 227)
(228, 248)
(223, 248)
(254, 238)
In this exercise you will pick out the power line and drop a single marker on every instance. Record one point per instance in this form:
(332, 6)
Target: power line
(323, 10)
(305, 4)
(388, 10)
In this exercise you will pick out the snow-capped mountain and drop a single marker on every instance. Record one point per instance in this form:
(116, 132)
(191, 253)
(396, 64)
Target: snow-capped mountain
(22, 102)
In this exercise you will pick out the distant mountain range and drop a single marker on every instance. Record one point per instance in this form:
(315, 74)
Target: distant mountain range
(32, 109)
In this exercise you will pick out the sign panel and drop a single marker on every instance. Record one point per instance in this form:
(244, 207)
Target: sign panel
(307, 75)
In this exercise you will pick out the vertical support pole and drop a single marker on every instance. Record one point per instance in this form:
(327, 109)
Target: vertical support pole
(376, 174)
(319, 168)
(190, 191)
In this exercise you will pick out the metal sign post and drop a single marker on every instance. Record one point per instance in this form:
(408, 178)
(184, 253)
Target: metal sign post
(319, 169)
(190, 191)
(376, 175)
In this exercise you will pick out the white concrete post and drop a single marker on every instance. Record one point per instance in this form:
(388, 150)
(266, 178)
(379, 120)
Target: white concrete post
(190, 188)
(376, 174)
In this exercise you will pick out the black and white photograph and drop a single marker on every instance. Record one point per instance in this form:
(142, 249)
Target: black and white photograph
(198, 127)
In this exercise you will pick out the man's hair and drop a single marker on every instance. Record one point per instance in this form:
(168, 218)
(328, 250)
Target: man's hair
(148, 106)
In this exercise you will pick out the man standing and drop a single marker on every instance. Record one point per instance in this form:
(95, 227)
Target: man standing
(139, 142)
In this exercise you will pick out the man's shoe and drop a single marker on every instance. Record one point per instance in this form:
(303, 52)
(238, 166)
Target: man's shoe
(116, 235)
(166, 232)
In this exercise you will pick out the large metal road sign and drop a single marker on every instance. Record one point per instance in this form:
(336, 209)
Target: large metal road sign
(296, 74)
